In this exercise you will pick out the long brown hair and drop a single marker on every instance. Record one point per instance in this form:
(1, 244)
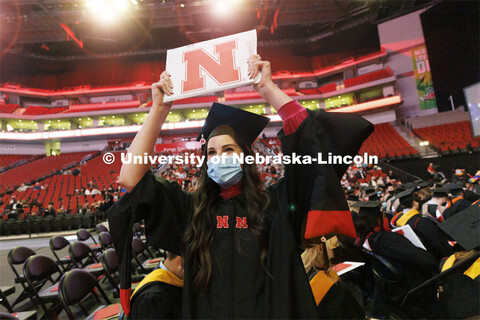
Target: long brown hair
(199, 235)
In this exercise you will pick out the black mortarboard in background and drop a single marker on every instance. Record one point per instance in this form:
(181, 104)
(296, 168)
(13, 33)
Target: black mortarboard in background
(368, 207)
(440, 193)
(352, 197)
(464, 227)
(369, 189)
(399, 189)
(423, 184)
(221, 119)
(406, 193)
(454, 187)
(373, 196)
(410, 185)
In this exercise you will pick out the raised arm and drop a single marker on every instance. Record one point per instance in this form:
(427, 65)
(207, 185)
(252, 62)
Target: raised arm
(266, 88)
(146, 137)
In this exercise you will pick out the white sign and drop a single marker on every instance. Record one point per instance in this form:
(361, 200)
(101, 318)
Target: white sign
(346, 266)
(211, 66)
(408, 233)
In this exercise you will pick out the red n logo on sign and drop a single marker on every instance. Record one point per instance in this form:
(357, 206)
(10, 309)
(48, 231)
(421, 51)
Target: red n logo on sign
(222, 222)
(221, 69)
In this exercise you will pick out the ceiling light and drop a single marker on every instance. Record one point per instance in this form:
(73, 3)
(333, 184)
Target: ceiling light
(222, 7)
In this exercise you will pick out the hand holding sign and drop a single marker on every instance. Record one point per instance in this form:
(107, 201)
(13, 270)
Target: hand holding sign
(162, 88)
(258, 67)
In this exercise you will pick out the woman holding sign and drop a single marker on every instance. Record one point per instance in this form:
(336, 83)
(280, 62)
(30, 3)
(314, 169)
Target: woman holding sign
(240, 242)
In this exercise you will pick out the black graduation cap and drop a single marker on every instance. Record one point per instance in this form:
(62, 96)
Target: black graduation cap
(464, 227)
(373, 196)
(405, 193)
(440, 193)
(368, 207)
(410, 185)
(223, 119)
(367, 204)
(423, 184)
(352, 197)
(399, 189)
(369, 188)
(454, 187)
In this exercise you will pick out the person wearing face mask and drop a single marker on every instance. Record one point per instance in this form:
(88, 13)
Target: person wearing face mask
(434, 239)
(240, 242)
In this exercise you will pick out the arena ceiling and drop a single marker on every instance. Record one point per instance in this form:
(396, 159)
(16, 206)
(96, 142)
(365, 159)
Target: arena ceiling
(75, 29)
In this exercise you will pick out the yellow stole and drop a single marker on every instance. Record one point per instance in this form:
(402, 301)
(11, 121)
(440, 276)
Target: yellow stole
(161, 275)
(321, 283)
(471, 272)
(405, 217)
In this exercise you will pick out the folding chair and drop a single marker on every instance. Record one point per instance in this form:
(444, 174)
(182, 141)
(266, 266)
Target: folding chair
(56, 244)
(4, 293)
(16, 258)
(83, 257)
(24, 315)
(40, 269)
(84, 234)
(140, 248)
(101, 228)
(75, 286)
(106, 240)
(110, 265)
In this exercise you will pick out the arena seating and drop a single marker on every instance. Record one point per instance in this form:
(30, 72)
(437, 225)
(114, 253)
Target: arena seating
(208, 99)
(328, 88)
(369, 77)
(386, 142)
(38, 169)
(311, 91)
(322, 90)
(61, 189)
(9, 159)
(8, 108)
(103, 106)
(38, 110)
(449, 137)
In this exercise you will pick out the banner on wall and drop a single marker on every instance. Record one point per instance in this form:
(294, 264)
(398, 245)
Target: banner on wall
(423, 78)
(176, 147)
(211, 66)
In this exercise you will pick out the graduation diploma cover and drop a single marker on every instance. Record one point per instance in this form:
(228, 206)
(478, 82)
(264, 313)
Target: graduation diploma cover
(211, 66)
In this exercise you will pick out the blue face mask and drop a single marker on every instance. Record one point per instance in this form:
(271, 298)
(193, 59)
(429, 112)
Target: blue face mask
(226, 173)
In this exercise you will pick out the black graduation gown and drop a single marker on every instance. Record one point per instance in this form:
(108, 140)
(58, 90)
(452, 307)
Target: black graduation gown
(157, 300)
(460, 295)
(455, 208)
(251, 292)
(434, 239)
(415, 266)
(339, 302)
